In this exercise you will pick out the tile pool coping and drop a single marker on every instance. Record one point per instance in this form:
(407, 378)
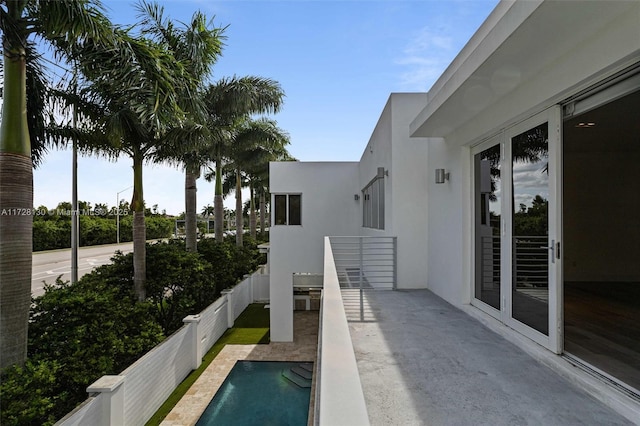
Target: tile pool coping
(303, 349)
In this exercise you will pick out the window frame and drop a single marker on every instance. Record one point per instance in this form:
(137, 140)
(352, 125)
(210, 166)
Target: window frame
(373, 205)
(288, 213)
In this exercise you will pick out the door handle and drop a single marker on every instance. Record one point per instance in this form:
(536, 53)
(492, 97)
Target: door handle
(552, 247)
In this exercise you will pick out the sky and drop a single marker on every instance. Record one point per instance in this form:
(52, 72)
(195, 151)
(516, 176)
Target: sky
(337, 62)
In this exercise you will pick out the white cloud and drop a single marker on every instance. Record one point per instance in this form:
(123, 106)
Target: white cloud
(425, 57)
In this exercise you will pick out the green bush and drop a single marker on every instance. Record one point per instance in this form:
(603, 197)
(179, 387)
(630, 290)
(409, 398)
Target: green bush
(51, 234)
(53, 231)
(159, 227)
(221, 257)
(97, 230)
(77, 333)
(179, 283)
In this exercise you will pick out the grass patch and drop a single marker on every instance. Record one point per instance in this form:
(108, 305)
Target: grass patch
(251, 327)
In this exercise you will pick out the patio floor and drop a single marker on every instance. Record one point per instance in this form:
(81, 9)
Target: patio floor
(302, 349)
(424, 362)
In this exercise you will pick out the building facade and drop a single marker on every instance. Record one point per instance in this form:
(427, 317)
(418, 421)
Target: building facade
(512, 186)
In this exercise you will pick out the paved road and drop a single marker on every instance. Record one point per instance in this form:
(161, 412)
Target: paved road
(49, 264)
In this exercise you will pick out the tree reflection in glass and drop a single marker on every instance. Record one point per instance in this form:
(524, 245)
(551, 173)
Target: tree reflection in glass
(530, 178)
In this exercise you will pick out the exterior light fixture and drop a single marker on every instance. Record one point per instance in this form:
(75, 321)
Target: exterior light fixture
(356, 197)
(441, 176)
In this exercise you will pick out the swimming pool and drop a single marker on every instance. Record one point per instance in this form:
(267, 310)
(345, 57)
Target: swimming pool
(262, 393)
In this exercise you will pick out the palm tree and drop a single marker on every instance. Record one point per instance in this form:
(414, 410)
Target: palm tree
(127, 103)
(229, 101)
(199, 45)
(67, 26)
(254, 140)
(207, 211)
(257, 170)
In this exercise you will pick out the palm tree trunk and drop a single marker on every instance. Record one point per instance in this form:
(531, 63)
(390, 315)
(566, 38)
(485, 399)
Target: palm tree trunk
(139, 231)
(190, 190)
(239, 219)
(252, 212)
(16, 203)
(217, 204)
(263, 212)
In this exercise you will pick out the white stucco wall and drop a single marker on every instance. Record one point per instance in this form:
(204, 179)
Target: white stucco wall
(573, 48)
(405, 159)
(328, 208)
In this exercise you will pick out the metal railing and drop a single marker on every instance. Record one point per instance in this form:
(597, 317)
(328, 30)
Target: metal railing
(530, 261)
(366, 262)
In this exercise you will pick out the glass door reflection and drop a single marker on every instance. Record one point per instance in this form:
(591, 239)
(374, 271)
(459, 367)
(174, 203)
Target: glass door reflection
(487, 200)
(530, 228)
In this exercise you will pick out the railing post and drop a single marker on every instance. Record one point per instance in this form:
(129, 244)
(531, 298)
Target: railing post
(193, 321)
(111, 392)
(361, 240)
(394, 285)
(251, 286)
(228, 293)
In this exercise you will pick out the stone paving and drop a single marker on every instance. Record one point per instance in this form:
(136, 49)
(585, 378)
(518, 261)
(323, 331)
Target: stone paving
(302, 349)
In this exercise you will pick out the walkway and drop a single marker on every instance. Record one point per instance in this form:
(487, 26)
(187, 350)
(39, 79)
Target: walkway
(424, 362)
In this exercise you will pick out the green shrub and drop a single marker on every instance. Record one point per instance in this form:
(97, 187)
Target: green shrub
(222, 257)
(159, 227)
(51, 234)
(53, 231)
(179, 283)
(77, 333)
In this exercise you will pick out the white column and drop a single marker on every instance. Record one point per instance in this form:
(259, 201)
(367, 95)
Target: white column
(228, 293)
(111, 393)
(196, 340)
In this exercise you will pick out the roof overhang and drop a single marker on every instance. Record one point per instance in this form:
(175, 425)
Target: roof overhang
(520, 44)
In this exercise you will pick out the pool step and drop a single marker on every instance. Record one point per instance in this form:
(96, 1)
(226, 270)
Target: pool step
(307, 366)
(299, 376)
(302, 372)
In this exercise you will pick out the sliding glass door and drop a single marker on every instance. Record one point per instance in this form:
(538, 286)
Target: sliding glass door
(516, 216)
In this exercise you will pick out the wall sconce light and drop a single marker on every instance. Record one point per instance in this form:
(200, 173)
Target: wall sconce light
(356, 197)
(441, 176)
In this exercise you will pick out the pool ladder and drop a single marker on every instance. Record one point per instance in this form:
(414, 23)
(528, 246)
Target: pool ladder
(300, 375)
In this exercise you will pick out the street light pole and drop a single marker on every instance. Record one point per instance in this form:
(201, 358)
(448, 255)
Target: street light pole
(118, 213)
(75, 214)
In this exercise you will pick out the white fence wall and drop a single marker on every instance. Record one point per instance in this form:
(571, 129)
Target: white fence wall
(132, 397)
(214, 322)
(151, 379)
(260, 287)
(88, 411)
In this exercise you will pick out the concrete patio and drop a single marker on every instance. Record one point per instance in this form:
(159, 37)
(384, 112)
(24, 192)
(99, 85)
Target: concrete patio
(424, 362)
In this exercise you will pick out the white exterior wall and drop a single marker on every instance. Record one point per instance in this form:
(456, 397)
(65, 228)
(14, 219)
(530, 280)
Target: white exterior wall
(551, 50)
(405, 159)
(328, 208)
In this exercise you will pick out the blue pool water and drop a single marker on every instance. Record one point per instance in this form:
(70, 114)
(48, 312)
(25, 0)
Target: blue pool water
(259, 393)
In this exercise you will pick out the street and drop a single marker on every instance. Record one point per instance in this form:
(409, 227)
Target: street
(48, 265)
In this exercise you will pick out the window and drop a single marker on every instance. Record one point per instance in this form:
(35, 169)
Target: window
(288, 209)
(373, 202)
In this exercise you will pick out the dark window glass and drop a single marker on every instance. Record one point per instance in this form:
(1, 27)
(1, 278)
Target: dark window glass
(295, 209)
(281, 210)
(488, 191)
